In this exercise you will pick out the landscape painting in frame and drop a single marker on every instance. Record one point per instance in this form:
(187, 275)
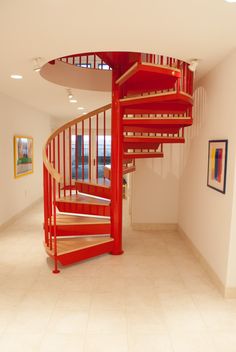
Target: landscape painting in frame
(217, 164)
(23, 160)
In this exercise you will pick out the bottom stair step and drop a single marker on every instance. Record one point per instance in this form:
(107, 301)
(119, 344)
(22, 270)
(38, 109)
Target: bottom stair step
(72, 250)
(76, 225)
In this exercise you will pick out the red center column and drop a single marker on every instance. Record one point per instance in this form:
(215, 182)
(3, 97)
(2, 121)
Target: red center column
(116, 168)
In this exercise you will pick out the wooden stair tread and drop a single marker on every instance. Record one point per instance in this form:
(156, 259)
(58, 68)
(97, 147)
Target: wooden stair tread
(67, 220)
(68, 245)
(84, 199)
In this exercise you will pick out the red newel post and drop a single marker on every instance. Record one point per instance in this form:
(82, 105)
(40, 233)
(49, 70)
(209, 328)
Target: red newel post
(116, 168)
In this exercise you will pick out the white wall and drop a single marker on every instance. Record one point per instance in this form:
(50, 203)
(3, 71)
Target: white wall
(19, 119)
(155, 188)
(205, 215)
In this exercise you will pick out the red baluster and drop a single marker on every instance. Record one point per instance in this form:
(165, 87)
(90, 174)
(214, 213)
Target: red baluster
(64, 161)
(83, 149)
(90, 150)
(70, 164)
(97, 146)
(55, 271)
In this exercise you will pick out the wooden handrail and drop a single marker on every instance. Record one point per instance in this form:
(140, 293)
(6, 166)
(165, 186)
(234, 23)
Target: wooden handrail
(49, 166)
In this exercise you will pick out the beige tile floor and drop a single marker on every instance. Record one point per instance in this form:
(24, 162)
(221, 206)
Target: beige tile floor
(154, 298)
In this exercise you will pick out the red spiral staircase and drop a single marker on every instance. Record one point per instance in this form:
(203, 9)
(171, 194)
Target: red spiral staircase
(151, 106)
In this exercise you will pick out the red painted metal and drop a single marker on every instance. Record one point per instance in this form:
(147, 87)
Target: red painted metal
(83, 208)
(83, 230)
(83, 150)
(104, 139)
(64, 161)
(129, 136)
(94, 189)
(55, 270)
(97, 146)
(85, 253)
(143, 155)
(76, 151)
(90, 150)
(117, 168)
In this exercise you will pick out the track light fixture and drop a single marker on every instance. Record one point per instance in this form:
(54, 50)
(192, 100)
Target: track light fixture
(193, 65)
(37, 64)
(71, 98)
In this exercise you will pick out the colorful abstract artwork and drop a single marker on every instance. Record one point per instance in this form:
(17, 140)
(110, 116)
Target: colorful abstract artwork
(23, 156)
(217, 163)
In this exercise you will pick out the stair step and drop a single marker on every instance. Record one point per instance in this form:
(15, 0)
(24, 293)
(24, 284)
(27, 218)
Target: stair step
(77, 225)
(155, 125)
(83, 204)
(95, 189)
(73, 250)
(152, 140)
(143, 77)
(158, 103)
(143, 155)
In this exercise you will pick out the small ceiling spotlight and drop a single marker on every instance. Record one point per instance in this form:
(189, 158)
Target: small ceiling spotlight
(80, 108)
(71, 98)
(193, 65)
(37, 64)
(16, 76)
(231, 1)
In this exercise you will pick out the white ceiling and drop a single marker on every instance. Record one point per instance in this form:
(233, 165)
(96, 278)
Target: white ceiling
(204, 29)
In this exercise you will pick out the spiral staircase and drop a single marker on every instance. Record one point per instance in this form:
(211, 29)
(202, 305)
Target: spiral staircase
(151, 106)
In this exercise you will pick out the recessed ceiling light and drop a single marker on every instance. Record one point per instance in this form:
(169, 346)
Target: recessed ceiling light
(16, 76)
(84, 113)
(80, 108)
(230, 0)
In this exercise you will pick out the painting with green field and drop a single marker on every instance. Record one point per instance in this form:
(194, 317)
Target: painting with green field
(23, 160)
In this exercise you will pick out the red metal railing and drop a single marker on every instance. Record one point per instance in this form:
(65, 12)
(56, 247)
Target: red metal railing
(72, 153)
(93, 61)
(88, 60)
(185, 83)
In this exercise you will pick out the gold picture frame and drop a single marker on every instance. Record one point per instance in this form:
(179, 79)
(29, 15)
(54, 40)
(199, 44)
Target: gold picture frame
(23, 156)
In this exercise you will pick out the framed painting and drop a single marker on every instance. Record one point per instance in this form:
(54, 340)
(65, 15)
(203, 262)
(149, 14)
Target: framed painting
(23, 156)
(217, 164)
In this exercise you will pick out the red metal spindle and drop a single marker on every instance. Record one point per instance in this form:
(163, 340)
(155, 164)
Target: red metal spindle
(80, 60)
(46, 218)
(59, 163)
(94, 61)
(64, 161)
(90, 150)
(70, 164)
(50, 199)
(104, 132)
(55, 271)
(87, 60)
(97, 146)
(76, 151)
(83, 149)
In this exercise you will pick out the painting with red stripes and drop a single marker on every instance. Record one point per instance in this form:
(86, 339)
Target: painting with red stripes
(217, 164)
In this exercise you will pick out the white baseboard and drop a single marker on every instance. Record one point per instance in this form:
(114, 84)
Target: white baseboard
(154, 227)
(19, 215)
(227, 292)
